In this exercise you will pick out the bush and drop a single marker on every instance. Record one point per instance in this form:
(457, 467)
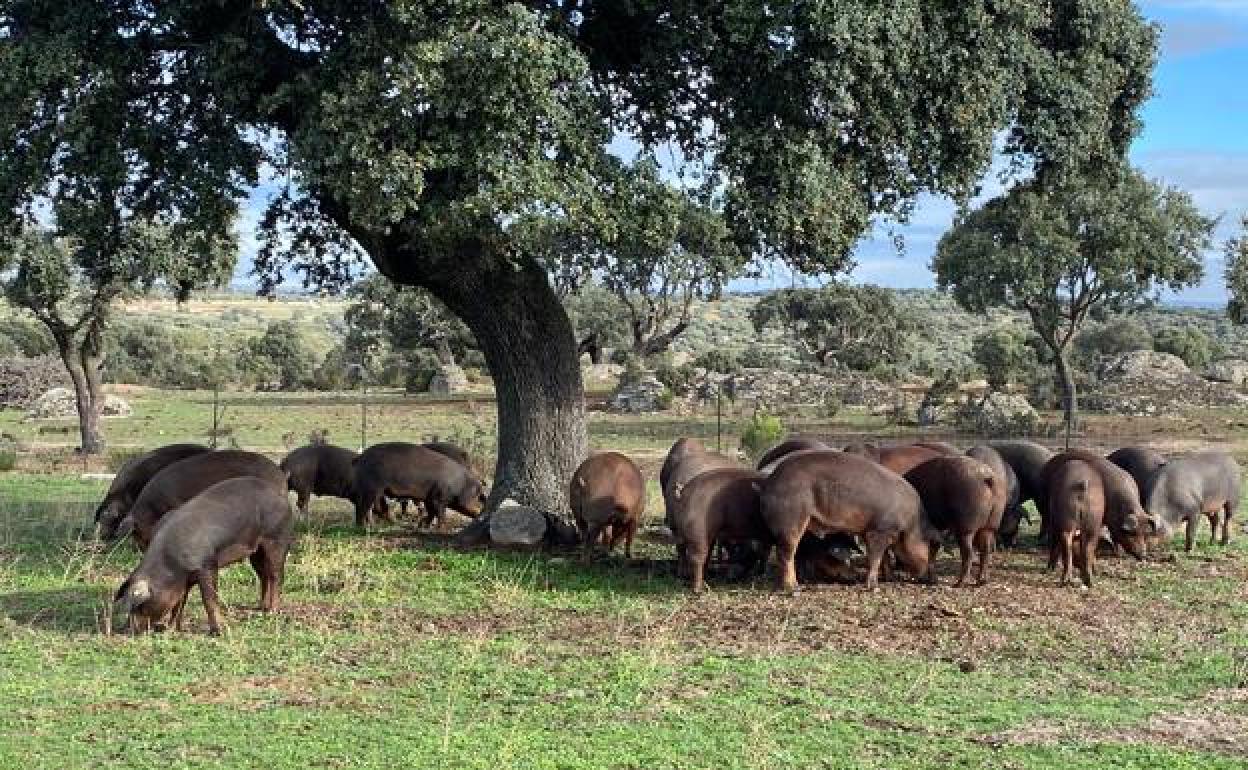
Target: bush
(832, 405)
(419, 378)
(1188, 343)
(761, 433)
(279, 357)
(633, 371)
(29, 337)
(678, 379)
(1122, 335)
(1004, 356)
(8, 454)
(718, 361)
(760, 358)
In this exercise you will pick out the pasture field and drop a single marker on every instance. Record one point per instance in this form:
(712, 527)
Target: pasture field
(395, 649)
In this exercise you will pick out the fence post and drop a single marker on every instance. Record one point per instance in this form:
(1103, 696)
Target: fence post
(719, 417)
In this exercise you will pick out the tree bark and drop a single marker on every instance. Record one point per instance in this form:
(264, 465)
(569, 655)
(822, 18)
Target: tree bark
(1069, 403)
(658, 343)
(593, 347)
(83, 368)
(528, 342)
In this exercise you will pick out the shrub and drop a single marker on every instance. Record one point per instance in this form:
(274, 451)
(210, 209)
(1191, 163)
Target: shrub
(760, 358)
(279, 356)
(1188, 343)
(832, 405)
(666, 399)
(678, 379)
(633, 371)
(1122, 335)
(760, 433)
(718, 361)
(8, 454)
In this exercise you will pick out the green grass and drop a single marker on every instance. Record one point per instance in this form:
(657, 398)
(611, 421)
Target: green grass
(394, 650)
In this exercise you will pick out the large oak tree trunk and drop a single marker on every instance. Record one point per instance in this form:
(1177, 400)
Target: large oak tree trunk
(528, 342)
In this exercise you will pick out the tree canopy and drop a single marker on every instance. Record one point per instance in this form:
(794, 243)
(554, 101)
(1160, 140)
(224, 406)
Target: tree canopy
(440, 139)
(858, 327)
(1237, 276)
(1056, 251)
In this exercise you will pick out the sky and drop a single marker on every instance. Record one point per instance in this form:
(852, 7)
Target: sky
(1195, 137)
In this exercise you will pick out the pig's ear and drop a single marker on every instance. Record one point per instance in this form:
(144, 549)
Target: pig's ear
(140, 591)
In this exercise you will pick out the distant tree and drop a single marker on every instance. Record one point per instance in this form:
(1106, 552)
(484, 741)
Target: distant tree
(1237, 275)
(385, 316)
(597, 320)
(1188, 343)
(279, 356)
(1055, 250)
(859, 327)
(72, 284)
(31, 338)
(1004, 356)
(1121, 335)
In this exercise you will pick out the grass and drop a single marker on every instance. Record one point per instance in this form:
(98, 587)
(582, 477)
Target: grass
(394, 649)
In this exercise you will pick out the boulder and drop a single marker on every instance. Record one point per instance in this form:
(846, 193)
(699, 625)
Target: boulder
(1144, 366)
(1229, 370)
(59, 403)
(516, 525)
(449, 380)
(645, 395)
(999, 413)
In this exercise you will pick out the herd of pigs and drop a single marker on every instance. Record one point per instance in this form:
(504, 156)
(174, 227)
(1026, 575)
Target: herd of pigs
(192, 510)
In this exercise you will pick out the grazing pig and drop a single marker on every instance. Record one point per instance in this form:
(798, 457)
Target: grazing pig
(1140, 462)
(133, 476)
(834, 492)
(319, 469)
(900, 459)
(687, 459)
(1129, 526)
(1012, 513)
(1027, 459)
(1075, 496)
(963, 496)
(718, 506)
(400, 470)
(1199, 483)
(236, 519)
(607, 494)
(456, 453)
(868, 450)
(943, 447)
(778, 452)
(185, 479)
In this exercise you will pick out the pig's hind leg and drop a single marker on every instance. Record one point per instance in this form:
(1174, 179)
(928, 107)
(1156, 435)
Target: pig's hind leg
(212, 600)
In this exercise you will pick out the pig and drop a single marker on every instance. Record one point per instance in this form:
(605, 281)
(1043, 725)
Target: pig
(133, 476)
(772, 456)
(1200, 483)
(963, 496)
(717, 506)
(1027, 459)
(319, 469)
(900, 459)
(183, 480)
(452, 451)
(1130, 528)
(1140, 462)
(862, 449)
(1013, 513)
(943, 447)
(607, 493)
(687, 459)
(239, 518)
(834, 492)
(1075, 496)
(400, 470)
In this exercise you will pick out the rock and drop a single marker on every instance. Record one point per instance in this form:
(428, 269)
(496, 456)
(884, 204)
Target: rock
(450, 379)
(515, 525)
(601, 372)
(60, 403)
(645, 395)
(1143, 365)
(1229, 370)
(1000, 413)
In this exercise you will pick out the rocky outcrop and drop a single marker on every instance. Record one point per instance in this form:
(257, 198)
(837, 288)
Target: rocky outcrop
(1004, 414)
(1147, 366)
(1145, 383)
(59, 403)
(1233, 371)
(449, 380)
(645, 395)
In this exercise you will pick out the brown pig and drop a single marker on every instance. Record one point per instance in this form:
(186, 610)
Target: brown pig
(607, 493)
(787, 447)
(319, 469)
(185, 479)
(1129, 526)
(900, 459)
(1075, 496)
(133, 476)
(240, 518)
(687, 459)
(963, 496)
(400, 470)
(834, 492)
(718, 506)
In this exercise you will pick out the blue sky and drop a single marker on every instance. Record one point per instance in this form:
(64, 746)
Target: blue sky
(1195, 137)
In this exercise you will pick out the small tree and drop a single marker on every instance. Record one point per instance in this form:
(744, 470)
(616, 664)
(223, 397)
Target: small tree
(1057, 250)
(72, 284)
(385, 316)
(1121, 335)
(1188, 343)
(1237, 276)
(280, 356)
(597, 320)
(1004, 356)
(859, 327)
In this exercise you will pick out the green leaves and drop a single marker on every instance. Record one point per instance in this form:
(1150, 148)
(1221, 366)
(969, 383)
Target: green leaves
(857, 326)
(1237, 276)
